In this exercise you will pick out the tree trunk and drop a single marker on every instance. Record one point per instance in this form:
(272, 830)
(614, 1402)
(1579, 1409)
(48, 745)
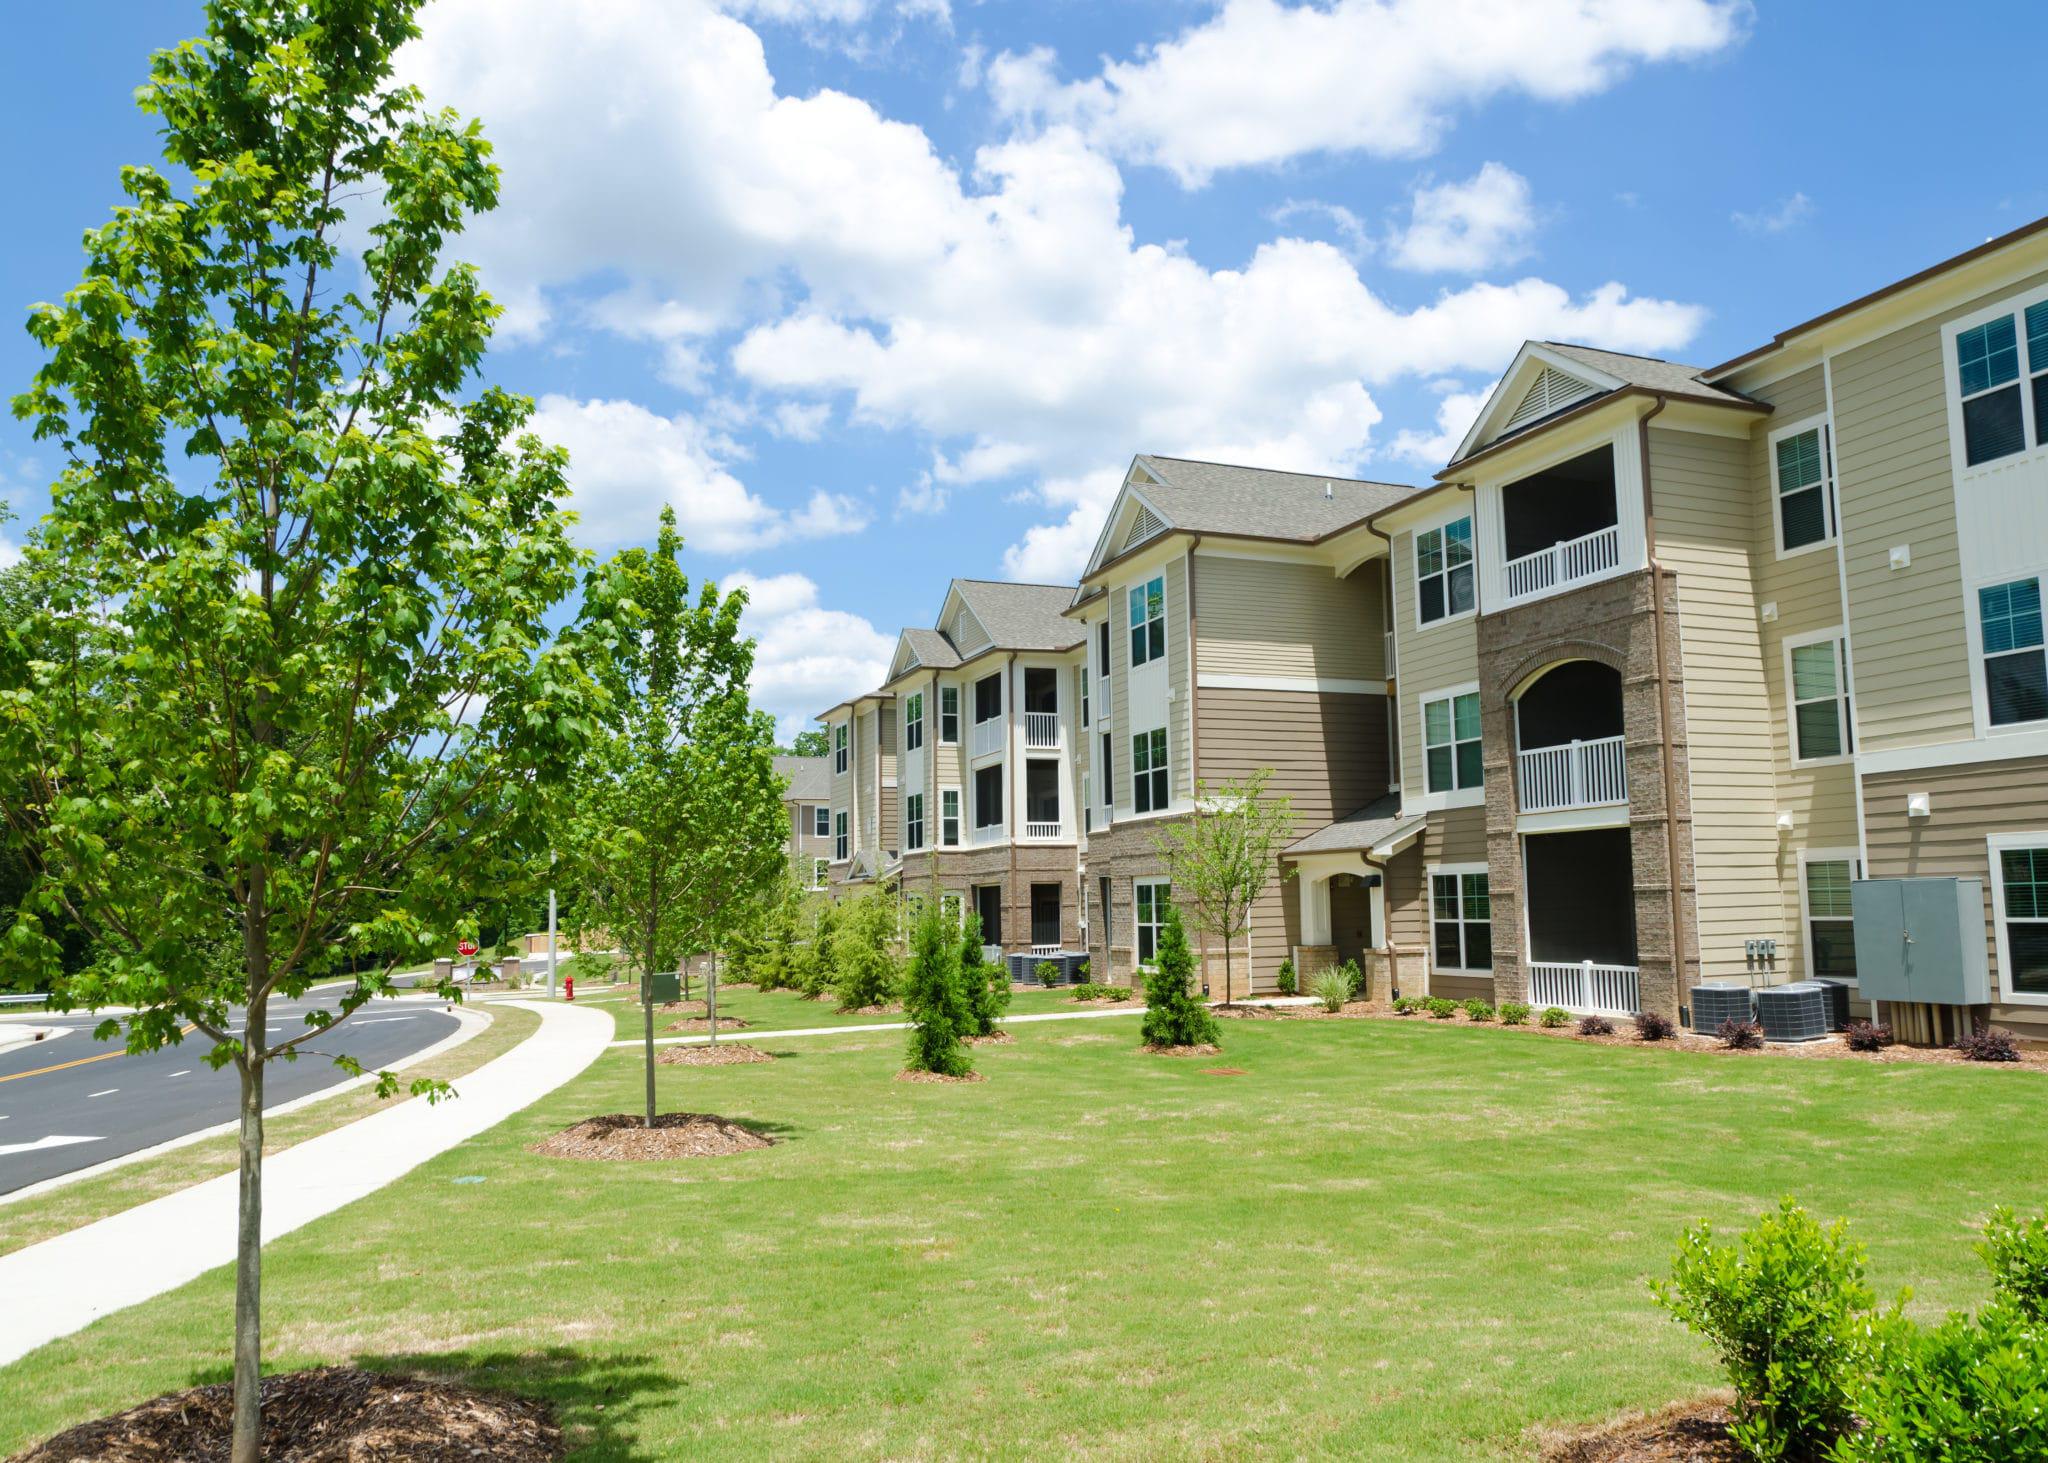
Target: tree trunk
(647, 1027)
(1226, 970)
(711, 996)
(248, 1422)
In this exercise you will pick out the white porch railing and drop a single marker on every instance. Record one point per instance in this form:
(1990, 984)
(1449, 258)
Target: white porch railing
(1041, 728)
(1041, 830)
(1577, 775)
(988, 736)
(1610, 990)
(1565, 563)
(993, 833)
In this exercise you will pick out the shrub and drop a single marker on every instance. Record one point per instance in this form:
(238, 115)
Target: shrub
(2015, 1251)
(1048, 973)
(1174, 1014)
(987, 985)
(1407, 1005)
(1655, 1026)
(1514, 1013)
(586, 966)
(1478, 1010)
(1743, 1036)
(1332, 990)
(865, 971)
(1554, 1017)
(1595, 1026)
(1284, 979)
(935, 998)
(1090, 991)
(1081, 969)
(1867, 1036)
(1440, 1008)
(1354, 979)
(1783, 1309)
(1989, 1044)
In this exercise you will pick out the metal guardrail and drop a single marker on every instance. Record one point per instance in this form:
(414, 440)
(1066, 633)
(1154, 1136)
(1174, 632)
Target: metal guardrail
(33, 998)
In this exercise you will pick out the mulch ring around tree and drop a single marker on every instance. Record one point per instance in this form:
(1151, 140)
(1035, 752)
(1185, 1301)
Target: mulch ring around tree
(683, 1008)
(994, 1038)
(1199, 1049)
(940, 1077)
(724, 1054)
(701, 1023)
(626, 1136)
(328, 1415)
(1686, 1432)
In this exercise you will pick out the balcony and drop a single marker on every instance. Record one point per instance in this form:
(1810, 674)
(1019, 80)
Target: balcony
(1561, 565)
(1577, 775)
(989, 833)
(1560, 527)
(1042, 830)
(1607, 990)
(1041, 728)
(988, 736)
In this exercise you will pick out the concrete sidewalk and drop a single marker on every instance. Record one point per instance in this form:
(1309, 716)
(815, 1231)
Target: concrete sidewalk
(65, 1284)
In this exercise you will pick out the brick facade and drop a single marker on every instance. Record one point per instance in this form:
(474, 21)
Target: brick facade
(961, 870)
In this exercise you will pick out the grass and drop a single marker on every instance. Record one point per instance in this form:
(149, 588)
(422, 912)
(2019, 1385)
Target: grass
(787, 1011)
(1385, 1240)
(28, 1221)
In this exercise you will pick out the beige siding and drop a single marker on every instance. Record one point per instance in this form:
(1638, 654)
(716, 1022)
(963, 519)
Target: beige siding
(1455, 836)
(1260, 617)
(966, 632)
(1705, 531)
(1175, 571)
(1426, 660)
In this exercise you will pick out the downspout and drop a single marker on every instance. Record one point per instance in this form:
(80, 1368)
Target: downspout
(1010, 759)
(1194, 735)
(1663, 700)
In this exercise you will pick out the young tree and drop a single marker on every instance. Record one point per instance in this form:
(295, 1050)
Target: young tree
(1222, 859)
(298, 696)
(681, 809)
(1174, 1014)
(935, 998)
(866, 971)
(987, 983)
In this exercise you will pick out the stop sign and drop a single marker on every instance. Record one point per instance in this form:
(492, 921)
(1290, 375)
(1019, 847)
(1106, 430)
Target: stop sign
(466, 948)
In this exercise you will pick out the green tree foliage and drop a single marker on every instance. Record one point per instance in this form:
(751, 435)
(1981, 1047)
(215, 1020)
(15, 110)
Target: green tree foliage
(1222, 859)
(1174, 1014)
(987, 982)
(293, 692)
(679, 824)
(935, 997)
(810, 742)
(867, 972)
(814, 966)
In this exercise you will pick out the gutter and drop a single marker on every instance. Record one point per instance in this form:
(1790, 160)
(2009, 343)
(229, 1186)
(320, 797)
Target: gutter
(1663, 701)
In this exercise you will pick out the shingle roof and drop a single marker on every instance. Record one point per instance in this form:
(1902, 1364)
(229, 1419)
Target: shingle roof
(1260, 502)
(1649, 372)
(1022, 616)
(809, 781)
(1367, 828)
(932, 649)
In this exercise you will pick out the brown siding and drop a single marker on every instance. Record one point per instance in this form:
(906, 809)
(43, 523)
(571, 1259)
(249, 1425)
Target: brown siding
(1261, 617)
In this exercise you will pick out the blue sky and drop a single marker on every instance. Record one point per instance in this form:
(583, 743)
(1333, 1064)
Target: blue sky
(877, 292)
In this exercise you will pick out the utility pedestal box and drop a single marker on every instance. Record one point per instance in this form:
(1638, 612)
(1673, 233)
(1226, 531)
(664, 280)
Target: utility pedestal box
(1921, 940)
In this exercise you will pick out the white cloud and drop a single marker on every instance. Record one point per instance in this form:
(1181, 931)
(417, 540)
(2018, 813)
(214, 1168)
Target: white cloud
(1260, 82)
(1357, 242)
(1467, 227)
(1789, 213)
(1456, 410)
(626, 461)
(807, 657)
(800, 421)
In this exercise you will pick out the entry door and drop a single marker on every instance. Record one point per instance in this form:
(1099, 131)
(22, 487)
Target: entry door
(988, 903)
(1045, 914)
(1350, 918)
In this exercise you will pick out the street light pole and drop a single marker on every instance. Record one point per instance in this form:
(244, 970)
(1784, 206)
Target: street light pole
(551, 930)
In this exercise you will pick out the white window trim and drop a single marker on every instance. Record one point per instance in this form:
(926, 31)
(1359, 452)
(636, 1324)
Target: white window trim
(1830, 493)
(1845, 703)
(1422, 626)
(842, 828)
(944, 740)
(1952, 387)
(821, 814)
(1160, 881)
(818, 868)
(1994, 845)
(1429, 874)
(919, 823)
(1130, 751)
(1164, 635)
(958, 821)
(1850, 856)
(913, 723)
(1973, 635)
(841, 756)
(1462, 797)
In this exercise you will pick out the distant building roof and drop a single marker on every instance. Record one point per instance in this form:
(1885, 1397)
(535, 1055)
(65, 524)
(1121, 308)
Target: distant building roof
(1260, 502)
(810, 780)
(933, 650)
(1021, 616)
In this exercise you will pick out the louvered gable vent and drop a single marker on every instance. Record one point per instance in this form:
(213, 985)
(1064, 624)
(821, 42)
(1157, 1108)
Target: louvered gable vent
(1551, 391)
(1144, 526)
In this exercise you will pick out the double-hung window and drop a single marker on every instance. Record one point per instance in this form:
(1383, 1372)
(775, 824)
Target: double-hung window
(949, 716)
(2004, 401)
(1102, 649)
(949, 817)
(839, 747)
(1149, 789)
(1803, 469)
(2022, 874)
(913, 822)
(818, 867)
(1148, 620)
(1461, 920)
(1150, 898)
(1082, 673)
(839, 848)
(1444, 583)
(913, 722)
(1830, 927)
(1820, 700)
(2015, 670)
(822, 821)
(1451, 754)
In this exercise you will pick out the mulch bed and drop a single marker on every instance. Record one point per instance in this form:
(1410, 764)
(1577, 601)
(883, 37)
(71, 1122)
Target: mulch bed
(939, 1077)
(1200, 1049)
(1688, 1432)
(994, 1038)
(328, 1415)
(701, 1023)
(893, 1008)
(724, 1054)
(683, 1008)
(674, 1135)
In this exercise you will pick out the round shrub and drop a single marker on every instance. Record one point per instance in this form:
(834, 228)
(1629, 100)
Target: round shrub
(1514, 1013)
(1407, 1005)
(1655, 1026)
(1478, 1010)
(1595, 1026)
(1284, 979)
(1441, 1008)
(1048, 973)
(1989, 1044)
(1742, 1036)
(1554, 1017)
(1867, 1036)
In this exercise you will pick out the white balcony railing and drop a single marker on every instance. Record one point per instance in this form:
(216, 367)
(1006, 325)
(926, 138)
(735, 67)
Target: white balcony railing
(988, 736)
(1041, 728)
(1578, 775)
(1609, 990)
(1566, 563)
(1041, 830)
(993, 833)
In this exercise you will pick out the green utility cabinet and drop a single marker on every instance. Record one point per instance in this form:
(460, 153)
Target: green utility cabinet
(668, 986)
(1921, 940)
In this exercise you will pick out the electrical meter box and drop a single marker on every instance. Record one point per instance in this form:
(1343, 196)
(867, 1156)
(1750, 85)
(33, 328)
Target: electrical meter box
(1921, 940)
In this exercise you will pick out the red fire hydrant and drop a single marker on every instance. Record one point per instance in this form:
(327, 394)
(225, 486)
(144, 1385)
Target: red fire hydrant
(568, 987)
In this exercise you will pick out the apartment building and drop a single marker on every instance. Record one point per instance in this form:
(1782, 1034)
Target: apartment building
(807, 799)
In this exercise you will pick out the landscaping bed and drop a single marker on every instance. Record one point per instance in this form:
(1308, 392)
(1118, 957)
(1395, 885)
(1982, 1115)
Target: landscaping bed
(1689, 1432)
(722, 1054)
(626, 1136)
(703, 1023)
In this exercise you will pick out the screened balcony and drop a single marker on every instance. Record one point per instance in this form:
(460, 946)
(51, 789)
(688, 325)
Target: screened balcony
(1562, 526)
(1041, 798)
(1581, 907)
(1570, 752)
(1041, 707)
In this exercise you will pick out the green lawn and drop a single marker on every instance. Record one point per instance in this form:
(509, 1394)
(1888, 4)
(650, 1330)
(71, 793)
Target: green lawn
(1385, 1240)
(787, 1011)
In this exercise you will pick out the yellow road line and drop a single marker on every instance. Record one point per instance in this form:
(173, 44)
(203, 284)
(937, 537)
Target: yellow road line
(78, 1061)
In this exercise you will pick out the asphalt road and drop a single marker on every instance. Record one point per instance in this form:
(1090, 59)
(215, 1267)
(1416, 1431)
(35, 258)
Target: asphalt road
(68, 1102)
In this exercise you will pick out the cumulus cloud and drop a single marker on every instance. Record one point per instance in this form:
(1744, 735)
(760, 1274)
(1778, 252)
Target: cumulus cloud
(1456, 410)
(1467, 227)
(1789, 213)
(1260, 82)
(807, 657)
